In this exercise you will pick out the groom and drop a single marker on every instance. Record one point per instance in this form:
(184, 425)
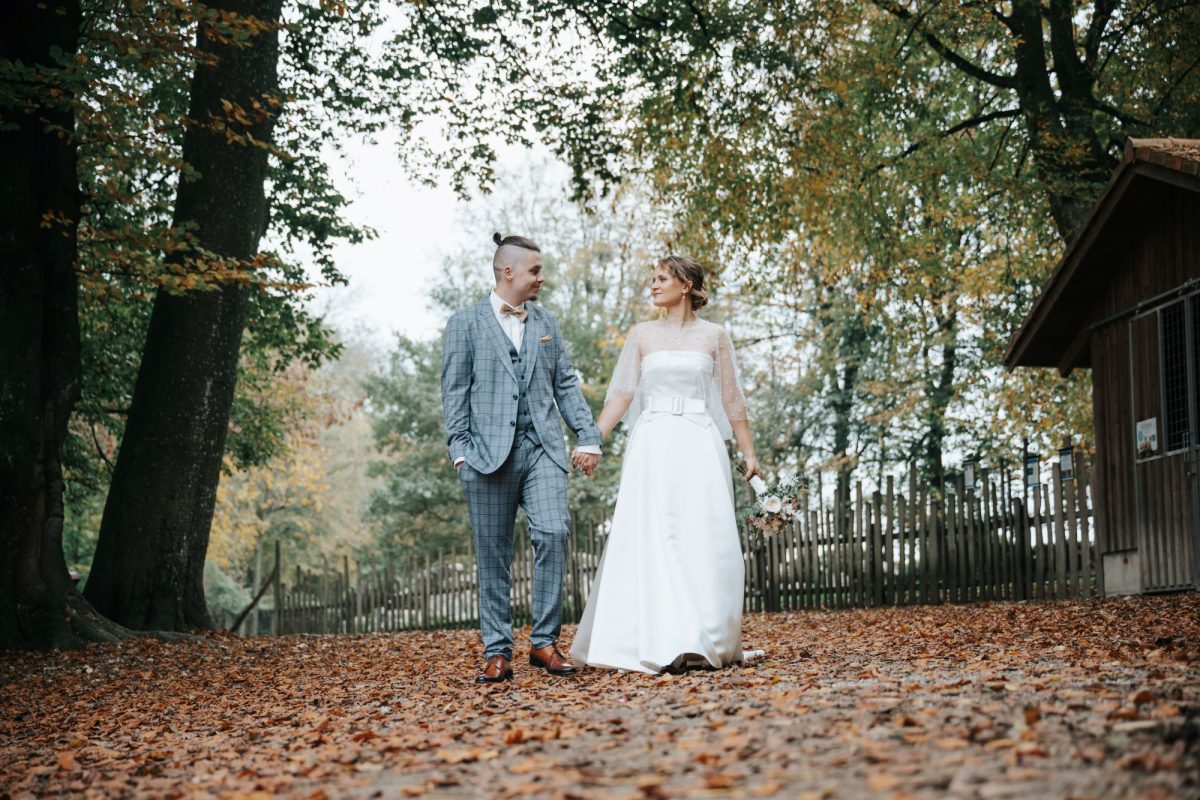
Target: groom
(504, 367)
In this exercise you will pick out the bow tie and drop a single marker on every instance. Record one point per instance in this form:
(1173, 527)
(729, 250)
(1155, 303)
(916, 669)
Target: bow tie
(508, 311)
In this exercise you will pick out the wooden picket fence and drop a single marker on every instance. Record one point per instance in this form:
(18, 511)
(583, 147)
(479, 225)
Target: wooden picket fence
(886, 547)
(434, 593)
(896, 548)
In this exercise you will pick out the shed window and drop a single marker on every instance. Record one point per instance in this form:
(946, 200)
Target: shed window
(1173, 335)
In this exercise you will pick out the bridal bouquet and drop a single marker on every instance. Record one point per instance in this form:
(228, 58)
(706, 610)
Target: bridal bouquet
(775, 505)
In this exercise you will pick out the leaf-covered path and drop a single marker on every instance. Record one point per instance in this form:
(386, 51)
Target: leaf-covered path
(1097, 698)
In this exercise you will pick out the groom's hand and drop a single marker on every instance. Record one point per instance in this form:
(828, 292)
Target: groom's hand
(586, 461)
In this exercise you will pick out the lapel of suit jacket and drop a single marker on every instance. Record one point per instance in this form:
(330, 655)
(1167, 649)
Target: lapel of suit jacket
(530, 349)
(500, 340)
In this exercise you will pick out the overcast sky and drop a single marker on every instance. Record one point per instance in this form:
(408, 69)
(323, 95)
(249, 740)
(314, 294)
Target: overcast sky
(389, 274)
(417, 227)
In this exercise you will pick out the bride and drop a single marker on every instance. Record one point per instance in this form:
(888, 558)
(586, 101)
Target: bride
(668, 591)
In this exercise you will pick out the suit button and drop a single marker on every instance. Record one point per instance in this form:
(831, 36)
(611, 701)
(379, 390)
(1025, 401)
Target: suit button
(513, 424)
(514, 397)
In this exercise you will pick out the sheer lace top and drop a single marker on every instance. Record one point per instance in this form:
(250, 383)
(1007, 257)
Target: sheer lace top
(692, 360)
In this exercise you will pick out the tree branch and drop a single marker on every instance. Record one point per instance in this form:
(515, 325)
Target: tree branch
(1000, 144)
(973, 122)
(699, 15)
(1118, 114)
(1101, 16)
(946, 52)
(1162, 102)
(1073, 75)
(99, 449)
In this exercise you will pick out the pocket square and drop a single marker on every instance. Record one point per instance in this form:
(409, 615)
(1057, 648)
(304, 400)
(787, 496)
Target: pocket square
(545, 340)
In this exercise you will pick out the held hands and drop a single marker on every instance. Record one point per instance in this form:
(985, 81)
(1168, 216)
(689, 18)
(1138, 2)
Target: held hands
(586, 461)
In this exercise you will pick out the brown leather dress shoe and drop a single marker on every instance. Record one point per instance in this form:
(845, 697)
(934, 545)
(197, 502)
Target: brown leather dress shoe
(495, 669)
(549, 659)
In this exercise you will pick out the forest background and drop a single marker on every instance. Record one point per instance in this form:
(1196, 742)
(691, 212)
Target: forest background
(878, 190)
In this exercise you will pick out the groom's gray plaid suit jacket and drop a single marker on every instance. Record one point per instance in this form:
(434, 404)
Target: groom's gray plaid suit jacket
(480, 391)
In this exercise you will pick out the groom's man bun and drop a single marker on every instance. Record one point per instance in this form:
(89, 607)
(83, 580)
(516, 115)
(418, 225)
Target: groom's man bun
(506, 250)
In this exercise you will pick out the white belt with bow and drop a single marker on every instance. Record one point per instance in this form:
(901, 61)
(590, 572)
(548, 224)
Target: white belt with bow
(687, 407)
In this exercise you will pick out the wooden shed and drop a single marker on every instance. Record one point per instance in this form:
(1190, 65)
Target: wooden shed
(1125, 301)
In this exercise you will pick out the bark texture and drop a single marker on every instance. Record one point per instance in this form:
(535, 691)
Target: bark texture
(149, 565)
(39, 331)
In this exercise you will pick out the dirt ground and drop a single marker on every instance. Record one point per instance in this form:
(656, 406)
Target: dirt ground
(1071, 699)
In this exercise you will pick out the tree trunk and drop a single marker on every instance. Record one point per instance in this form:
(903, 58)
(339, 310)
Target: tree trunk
(1071, 163)
(149, 565)
(852, 340)
(939, 393)
(39, 329)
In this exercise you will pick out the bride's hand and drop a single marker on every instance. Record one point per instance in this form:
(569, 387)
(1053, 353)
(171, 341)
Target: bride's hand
(752, 468)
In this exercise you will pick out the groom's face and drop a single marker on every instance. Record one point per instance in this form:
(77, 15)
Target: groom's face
(527, 276)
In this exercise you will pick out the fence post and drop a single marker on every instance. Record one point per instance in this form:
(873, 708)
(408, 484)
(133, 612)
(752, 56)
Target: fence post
(953, 555)
(889, 579)
(937, 535)
(276, 622)
(807, 565)
(1060, 539)
(913, 536)
(250, 626)
(1086, 519)
(1007, 563)
(1021, 537)
(924, 517)
(1038, 534)
(876, 560)
(425, 594)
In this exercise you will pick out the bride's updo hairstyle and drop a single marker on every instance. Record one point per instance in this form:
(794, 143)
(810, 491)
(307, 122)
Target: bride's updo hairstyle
(688, 269)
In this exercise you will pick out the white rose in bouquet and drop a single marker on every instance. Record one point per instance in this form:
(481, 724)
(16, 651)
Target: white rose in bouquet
(772, 504)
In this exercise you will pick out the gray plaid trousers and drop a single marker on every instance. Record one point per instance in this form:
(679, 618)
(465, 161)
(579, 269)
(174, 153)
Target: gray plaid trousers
(481, 392)
(531, 480)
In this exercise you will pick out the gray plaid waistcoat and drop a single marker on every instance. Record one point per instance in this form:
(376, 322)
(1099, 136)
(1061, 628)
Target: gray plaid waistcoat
(482, 387)
(525, 426)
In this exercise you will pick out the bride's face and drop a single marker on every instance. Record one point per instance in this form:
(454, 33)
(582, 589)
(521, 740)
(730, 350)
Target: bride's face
(665, 289)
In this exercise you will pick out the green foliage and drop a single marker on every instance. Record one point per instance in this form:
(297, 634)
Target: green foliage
(419, 504)
(311, 494)
(887, 197)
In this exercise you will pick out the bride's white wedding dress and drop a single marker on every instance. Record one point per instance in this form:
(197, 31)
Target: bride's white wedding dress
(669, 586)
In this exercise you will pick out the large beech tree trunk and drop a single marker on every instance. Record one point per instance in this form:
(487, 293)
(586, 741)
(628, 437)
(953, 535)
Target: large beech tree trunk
(149, 565)
(39, 329)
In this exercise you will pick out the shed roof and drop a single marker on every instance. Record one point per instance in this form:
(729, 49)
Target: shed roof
(1052, 334)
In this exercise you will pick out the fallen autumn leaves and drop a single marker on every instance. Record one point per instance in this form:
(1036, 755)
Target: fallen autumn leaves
(1096, 698)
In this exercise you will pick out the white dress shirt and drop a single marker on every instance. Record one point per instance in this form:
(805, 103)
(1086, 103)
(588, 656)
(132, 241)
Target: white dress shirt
(514, 329)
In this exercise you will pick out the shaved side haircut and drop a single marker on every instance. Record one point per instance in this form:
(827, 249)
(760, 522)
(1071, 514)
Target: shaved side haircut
(507, 248)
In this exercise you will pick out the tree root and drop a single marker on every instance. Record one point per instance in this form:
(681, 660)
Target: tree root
(88, 626)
